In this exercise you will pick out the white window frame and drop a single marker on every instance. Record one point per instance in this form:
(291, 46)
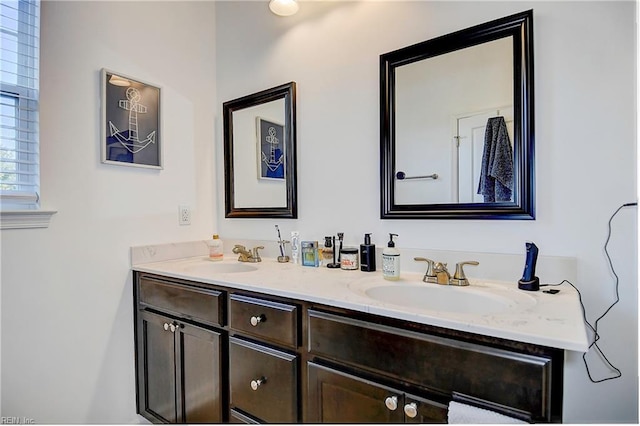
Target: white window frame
(22, 209)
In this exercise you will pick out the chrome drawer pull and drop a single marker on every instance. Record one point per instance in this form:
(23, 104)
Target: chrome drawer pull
(391, 402)
(257, 320)
(411, 410)
(255, 384)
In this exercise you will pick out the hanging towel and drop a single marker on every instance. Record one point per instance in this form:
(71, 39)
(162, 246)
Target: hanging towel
(496, 170)
(467, 414)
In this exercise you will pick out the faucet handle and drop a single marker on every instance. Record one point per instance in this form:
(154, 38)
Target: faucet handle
(429, 276)
(255, 253)
(459, 278)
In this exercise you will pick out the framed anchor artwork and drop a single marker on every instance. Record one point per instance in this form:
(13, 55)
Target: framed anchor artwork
(131, 122)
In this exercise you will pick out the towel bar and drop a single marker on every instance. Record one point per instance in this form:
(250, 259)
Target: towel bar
(403, 176)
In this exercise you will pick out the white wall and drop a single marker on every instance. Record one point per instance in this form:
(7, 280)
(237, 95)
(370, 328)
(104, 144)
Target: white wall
(67, 332)
(585, 99)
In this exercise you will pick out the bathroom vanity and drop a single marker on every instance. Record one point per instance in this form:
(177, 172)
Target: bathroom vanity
(280, 343)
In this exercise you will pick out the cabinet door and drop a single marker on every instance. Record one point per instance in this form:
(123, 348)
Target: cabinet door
(337, 397)
(156, 368)
(199, 373)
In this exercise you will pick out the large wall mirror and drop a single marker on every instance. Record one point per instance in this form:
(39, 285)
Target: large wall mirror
(260, 154)
(457, 125)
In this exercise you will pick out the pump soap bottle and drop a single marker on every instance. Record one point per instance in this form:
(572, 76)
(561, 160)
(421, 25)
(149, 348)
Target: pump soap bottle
(367, 255)
(391, 261)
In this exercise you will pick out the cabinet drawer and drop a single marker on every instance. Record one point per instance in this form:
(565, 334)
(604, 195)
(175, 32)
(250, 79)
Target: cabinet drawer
(512, 379)
(197, 304)
(273, 321)
(263, 382)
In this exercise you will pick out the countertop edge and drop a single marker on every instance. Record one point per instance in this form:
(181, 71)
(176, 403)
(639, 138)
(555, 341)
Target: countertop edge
(233, 281)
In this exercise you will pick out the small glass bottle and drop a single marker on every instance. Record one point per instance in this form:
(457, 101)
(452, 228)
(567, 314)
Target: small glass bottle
(215, 248)
(326, 252)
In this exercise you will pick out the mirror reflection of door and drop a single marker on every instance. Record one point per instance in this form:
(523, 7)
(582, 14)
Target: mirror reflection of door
(468, 144)
(428, 93)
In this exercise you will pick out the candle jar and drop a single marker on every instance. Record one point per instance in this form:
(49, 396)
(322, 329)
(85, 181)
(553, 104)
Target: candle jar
(349, 258)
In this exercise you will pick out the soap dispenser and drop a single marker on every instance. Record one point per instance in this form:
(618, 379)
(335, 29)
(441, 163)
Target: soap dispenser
(367, 255)
(391, 260)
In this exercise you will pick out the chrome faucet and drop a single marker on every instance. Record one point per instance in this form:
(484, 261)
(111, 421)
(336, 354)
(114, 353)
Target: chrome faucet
(437, 272)
(245, 255)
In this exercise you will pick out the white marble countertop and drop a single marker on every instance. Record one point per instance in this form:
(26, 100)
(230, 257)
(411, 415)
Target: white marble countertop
(489, 308)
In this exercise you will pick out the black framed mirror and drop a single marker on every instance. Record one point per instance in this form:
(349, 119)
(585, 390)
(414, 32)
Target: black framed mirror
(457, 125)
(260, 154)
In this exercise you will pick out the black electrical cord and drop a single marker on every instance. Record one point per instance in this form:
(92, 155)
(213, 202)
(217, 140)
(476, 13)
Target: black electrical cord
(594, 328)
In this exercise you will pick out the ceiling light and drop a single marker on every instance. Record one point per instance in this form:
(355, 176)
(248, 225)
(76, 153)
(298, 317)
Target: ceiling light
(116, 80)
(284, 7)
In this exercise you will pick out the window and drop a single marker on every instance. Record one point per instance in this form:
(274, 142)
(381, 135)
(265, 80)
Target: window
(19, 101)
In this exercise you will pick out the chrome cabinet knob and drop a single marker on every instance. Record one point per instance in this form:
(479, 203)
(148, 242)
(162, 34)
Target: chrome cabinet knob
(255, 320)
(255, 384)
(166, 326)
(172, 327)
(391, 402)
(411, 410)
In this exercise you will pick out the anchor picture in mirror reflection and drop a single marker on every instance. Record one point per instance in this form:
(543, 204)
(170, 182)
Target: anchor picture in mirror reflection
(271, 152)
(129, 138)
(273, 163)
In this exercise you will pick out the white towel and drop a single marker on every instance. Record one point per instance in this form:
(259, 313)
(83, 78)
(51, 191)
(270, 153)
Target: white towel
(466, 414)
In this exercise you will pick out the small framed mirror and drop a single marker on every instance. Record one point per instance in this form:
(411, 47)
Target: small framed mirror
(457, 125)
(260, 154)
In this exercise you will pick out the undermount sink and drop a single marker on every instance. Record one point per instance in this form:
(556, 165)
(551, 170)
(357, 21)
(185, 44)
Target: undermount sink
(469, 300)
(220, 267)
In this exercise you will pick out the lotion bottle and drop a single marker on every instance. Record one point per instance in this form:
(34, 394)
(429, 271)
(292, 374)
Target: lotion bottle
(391, 260)
(295, 247)
(215, 248)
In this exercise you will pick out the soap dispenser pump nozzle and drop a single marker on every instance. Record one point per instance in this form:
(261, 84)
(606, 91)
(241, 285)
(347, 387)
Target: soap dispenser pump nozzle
(391, 243)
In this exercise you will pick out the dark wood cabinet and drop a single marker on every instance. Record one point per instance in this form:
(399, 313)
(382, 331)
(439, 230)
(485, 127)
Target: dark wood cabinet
(179, 365)
(263, 382)
(157, 378)
(263, 359)
(339, 397)
(209, 354)
(513, 383)
(263, 319)
(199, 375)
